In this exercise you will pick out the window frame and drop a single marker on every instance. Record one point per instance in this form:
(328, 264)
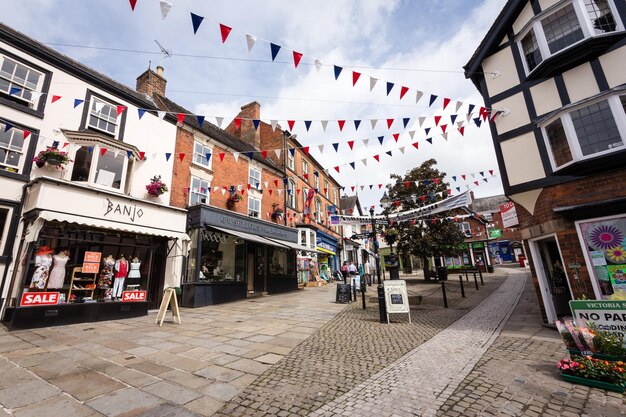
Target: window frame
(318, 209)
(23, 165)
(619, 116)
(292, 199)
(92, 104)
(121, 125)
(205, 147)
(326, 188)
(5, 231)
(585, 24)
(316, 182)
(33, 105)
(251, 200)
(291, 160)
(95, 158)
(305, 167)
(252, 169)
(206, 194)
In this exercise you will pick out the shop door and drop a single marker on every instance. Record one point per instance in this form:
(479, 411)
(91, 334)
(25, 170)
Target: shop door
(549, 267)
(256, 268)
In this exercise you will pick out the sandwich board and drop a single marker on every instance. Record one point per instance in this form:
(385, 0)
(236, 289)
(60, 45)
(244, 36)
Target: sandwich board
(396, 297)
(169, 298)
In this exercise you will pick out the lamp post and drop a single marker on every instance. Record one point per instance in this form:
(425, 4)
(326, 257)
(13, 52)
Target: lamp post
(382, 309)
(394, 272)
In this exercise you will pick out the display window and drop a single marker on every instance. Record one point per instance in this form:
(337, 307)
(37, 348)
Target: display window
(83, 265)
(281, 261)
(221, 257)
(604, 245)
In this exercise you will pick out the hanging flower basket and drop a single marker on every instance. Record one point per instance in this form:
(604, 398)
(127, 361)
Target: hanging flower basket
(52, 156)
(232, 200)
(277, 214)
(156, 187)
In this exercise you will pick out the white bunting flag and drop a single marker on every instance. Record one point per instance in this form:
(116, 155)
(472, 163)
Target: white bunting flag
(418, 96)
(324, 124)
(373, 82)
(319, 64)
(274, 123)
(362, 187)
(223, 191)
(280, 191)
(459, 124)
(236, 156)
(321, 148)
(250, 40)
(98, 106)
(445, 136)
(265, 183)
(458, 106)
(469, 117)
(473, 175)
(417, 183)
(466, 187)
(401, 149)
(116, 153)
(277, 152)
(421, 120)
(364, 161)
(411, 133)
(373, 122)
(219, 121)
(215, 189)
(165, 8)
(238, 187)
(35, 95)
(366, 142)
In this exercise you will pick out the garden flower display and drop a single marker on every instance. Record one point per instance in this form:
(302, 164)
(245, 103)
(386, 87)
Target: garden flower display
(156, 187)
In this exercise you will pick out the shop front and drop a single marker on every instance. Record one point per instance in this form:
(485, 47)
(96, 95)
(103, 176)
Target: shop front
(233, 256)
(90, 255)
(327, 258)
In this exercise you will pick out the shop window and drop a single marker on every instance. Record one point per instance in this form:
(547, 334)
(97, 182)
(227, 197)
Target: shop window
(312, 239)
(291, 159)
(20, 80)
(302, 236)
(103, 116)
(12, 149)
(221, 258)
(604, 246)
(100, 167)
(291, 195)
(199, 191)
(200, 152)
(557, 30)
(281, 261)
(254, 207)
(254, 177)
(587, 131)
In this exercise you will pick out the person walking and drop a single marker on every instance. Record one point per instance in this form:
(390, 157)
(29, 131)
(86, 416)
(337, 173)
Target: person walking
(344, 270)
(368, 272)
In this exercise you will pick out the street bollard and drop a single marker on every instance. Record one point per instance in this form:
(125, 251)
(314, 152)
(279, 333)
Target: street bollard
(481, 277)
(363, 288)
(443, 290)
(462, 289)
(466, 276)
(475, 280)
(382, 309)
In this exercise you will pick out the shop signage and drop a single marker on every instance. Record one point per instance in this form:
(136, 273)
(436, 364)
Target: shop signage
(477, 245)
(39, 298)
(361, 236)
(91, 262)
(92, 257)
(607, 315)
(343, 294)
(90, 268)
(396, 297)
(509, 215)
(334, 220)
(245, 225)
(131, 296)
(324, 245)
(126, 210)
(495, 233)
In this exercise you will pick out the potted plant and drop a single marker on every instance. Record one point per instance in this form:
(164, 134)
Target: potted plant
(156, 187)
(233, 198)
(593, 372)
(277, 212)
(53, 156)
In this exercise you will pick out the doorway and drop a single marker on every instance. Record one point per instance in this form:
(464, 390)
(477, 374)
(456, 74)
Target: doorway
(255, 268)
(555, 289)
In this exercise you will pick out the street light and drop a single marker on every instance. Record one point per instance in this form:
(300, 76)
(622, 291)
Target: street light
(384, 201)
(382, 309)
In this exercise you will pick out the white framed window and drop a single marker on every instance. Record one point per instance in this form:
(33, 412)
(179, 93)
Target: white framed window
(326, 188)
(465, 228)
(312, 239)
(316, 182)
(199, 191)
(335, 197)
(14, 76)
(318, 210)
(291, 194)
(200, 152)
(103, 116)
(254, 177)
(566, 25)
(99, 167)
(254, 207)
(305, 167)
(291, 159)
(12, 149)
(589, 130)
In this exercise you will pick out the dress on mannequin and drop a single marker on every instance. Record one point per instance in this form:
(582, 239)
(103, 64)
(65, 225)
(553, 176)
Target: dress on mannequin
(121, 270)
(57, 275)
(43, 261)
(134, 276)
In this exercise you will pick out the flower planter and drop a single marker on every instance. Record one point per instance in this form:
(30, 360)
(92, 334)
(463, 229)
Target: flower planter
(609, 358)
(52, 160)
(40, 164)
(591, 383)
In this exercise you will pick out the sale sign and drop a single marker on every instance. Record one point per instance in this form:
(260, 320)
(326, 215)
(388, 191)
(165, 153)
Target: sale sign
(90, 268)
(39, 298)
(509, 215)
(132, 296)
(92, 257)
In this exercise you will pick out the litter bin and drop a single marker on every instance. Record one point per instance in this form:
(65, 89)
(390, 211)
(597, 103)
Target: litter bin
(442, 273)
(490, 269)
(522, 259)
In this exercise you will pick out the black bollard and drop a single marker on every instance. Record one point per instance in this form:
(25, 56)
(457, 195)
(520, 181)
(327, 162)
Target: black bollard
(354, 292)
(443, 290)
(382, 309)
(475, 280)
(466, 276)
(481, 277)
(462, 289)
(363, 288)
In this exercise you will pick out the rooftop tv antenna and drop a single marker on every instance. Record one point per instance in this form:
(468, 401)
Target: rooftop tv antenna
(165, 53)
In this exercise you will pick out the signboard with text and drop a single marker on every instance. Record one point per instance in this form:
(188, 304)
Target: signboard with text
(133, 296)
(92, 257)
(396, 297)
(91, 262)
(607, 315)
(509, 215)
(39, 299)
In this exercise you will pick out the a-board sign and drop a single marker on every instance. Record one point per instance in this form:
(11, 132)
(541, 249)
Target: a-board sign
(343, 294)
(607, 315)
(39, 298)
(396, 297)
(169, 299)
(133, 296)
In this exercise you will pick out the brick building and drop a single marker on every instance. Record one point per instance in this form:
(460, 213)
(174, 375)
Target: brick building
(561, 142)
(310, 191)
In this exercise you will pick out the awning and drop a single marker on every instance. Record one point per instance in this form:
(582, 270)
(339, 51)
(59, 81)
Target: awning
(249, 237)
(330, 252)
(35, 228)
(293, 245)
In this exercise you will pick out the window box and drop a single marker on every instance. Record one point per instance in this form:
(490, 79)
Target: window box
(591, 383)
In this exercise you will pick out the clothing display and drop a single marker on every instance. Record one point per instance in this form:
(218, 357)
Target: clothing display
(134, 276)
(118, 287)
(40, 276)
(57, 275)
(106, 273)
(121, 270)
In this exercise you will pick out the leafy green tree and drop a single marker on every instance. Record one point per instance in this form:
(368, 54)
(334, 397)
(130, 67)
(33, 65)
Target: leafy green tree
(423, 237)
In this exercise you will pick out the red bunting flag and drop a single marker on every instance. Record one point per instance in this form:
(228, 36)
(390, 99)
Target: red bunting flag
(103, 151)
(397, 204)
(298, 191)
(264, 153)
(142, 156)
(181, 118)
(306, 176)
(270, 190)
(462, 130)
(133, 3)
(396, 136)
(443, 128)
(225, 31)
(380, 186)
(341, 123)
(377, 157)
(243, 192)
(436, 180)
(351, 144)
(446, 101)
(352, 187)
(276, 183)
(423, 198)
(26, 134)
(416, 144)
(181, 156)
(297, 56)
(355, 77)
(437, 119)
(449, 191)
(305, 149)
(403, 91)
(222, 155)
(237, 122)
(337, 168)
(407, 184)
(491, 172)
(389, 123)
(476, 182)
(463, 176)
(56, 98)
(291, 123)
(326, 191)
(249, 186)
(412, 221)
(120, 109)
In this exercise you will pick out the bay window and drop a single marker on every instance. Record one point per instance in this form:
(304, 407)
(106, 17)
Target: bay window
(12, 149)
(100, 166)
(589, 130)
(563, 26)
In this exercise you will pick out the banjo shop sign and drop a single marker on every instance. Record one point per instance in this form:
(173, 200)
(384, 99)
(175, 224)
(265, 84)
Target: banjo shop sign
(607, 315)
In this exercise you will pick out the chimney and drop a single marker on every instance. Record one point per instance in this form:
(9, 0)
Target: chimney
(151, 82)
(248, 133)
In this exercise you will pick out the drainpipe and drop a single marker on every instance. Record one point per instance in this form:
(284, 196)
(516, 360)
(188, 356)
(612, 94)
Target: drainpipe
(285, 181)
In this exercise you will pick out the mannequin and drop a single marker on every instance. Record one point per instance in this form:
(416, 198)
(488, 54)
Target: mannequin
(134, 276)
(43, 261)
(57, 275)
(121, 269)
(106, 276)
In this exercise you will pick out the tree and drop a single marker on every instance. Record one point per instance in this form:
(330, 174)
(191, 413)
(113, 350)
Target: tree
(423, 237)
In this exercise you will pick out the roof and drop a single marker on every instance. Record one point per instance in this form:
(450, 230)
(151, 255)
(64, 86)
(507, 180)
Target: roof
(350, 201)
(488, 204)
(63, 62)
(214, 132)
(498, 29)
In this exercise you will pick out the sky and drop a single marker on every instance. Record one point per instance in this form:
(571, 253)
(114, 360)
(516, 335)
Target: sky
(421, 44)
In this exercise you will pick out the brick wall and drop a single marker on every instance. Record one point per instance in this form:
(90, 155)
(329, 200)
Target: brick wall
(181, 177)
(150, 83)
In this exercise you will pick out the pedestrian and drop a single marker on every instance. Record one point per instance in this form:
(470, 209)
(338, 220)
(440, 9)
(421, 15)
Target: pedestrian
(352, 269)
(368, 272)
(344, 270)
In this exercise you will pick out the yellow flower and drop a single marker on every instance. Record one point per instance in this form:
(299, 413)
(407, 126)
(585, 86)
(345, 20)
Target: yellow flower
(616, 254)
